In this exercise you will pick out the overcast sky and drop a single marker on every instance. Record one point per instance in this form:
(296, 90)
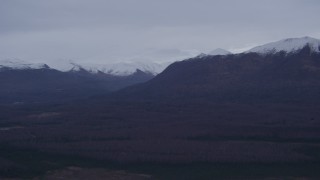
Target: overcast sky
(102, 31)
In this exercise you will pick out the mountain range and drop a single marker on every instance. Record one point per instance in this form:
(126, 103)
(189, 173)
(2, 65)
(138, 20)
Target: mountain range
(286, 70)
(115, 69)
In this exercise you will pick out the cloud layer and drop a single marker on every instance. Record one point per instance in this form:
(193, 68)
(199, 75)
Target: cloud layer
(143, 30)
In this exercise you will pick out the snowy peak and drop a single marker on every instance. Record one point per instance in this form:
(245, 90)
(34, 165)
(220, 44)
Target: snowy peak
(290, 45)
(215, 52)
(19, 64)
(219, 51)
(121, 69)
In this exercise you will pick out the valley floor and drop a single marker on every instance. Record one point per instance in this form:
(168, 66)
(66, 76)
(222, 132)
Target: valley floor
(161, 140)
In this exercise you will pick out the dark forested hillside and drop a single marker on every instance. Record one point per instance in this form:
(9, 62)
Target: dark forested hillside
(49, 85)
(249, 77)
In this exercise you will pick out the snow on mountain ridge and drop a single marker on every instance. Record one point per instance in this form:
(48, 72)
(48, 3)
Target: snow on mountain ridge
(19, 64)
(287, 45)
(122, 69)
(117, 69)
(128, 68)
(215, 52)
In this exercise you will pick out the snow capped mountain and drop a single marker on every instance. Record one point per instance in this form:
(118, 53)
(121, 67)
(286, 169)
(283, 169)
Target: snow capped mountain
(128, 68)
(121, 69)
(117, 69)
(219, 51)
(288, 45)
(215, 52)
(19, 64)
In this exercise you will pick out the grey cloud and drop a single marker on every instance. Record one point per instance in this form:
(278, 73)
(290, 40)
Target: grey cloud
(112, 30)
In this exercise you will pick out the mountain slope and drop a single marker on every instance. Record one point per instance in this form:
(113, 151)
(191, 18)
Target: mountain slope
(247, 77)
(23, 82)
